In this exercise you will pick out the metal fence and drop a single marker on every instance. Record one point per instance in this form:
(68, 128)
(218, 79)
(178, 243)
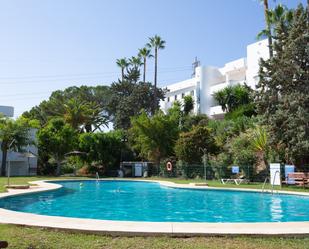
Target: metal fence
(209, 172)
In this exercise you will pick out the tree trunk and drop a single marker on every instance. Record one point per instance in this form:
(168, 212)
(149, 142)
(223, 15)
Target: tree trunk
(3, 163)
(308, 10)
(122, 74)
(58, 170)
(261, 163)
(144, 75)
(270, 42)
(155, 81)
(88, 128)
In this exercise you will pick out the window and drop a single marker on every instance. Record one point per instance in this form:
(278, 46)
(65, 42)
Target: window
(175, 97)
(168, 99)
(192, 93)
(182, 95)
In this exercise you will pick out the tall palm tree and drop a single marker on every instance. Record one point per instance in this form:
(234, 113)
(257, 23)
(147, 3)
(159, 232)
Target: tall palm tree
(123, 64)
(268, 29)
(135, 62)
(156, 43)
(144, 53)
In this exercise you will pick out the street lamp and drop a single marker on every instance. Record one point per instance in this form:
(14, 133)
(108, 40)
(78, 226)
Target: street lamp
(204, 150)
(29, 155)
(9, 162)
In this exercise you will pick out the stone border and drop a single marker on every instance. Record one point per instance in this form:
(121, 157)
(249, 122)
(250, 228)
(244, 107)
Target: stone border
(149, 228)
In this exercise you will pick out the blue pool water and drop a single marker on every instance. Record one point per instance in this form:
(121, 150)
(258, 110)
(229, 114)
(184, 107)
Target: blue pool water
(146, 201)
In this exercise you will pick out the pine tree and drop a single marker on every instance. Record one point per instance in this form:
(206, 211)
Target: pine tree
(283, 90)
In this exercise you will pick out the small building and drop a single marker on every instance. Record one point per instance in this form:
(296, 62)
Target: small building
(25, 163)
(135, 169)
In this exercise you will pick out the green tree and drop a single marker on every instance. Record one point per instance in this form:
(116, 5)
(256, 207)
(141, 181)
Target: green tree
(268, 27)
(188, 104)
(233, 97)
(102, 148)
(156, 43)
(85, 108)
(128, 99)
(14, 135)
(260, 144)
(145, 53)
(282, 98)
(272, 17)
(123, 64)
(189, 146)
(135, 62)
(154, 137)
(57, 138)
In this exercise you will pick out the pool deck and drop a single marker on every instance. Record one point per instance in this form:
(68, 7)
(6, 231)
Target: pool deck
(132, 228)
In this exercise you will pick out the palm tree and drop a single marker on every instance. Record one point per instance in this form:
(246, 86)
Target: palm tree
(136, 62)
(123, 64)
(259, 143)
(144, 53)
(156, 43)
(280, 14)
(14, 135)
(268, 29)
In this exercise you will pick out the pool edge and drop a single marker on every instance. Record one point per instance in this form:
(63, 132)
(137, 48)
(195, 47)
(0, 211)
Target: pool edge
(149, 228)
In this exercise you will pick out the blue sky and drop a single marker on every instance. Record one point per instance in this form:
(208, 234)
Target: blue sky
(52, 44)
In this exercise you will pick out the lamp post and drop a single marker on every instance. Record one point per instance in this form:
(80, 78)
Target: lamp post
(29, 155)
(204, 150)
(9, 163)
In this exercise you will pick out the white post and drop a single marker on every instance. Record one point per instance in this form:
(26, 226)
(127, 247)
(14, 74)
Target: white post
(9, 168)
(275, 178)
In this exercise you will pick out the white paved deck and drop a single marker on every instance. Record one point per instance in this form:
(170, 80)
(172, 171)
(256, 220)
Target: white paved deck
(148, 228)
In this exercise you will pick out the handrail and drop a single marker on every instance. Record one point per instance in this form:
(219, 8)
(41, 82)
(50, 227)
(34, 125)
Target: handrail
(263, 188)
(272, 187)
(97, 177)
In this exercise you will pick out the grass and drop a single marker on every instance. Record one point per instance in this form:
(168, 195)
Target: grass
(38, 238)
(25, 180)
(218, 184)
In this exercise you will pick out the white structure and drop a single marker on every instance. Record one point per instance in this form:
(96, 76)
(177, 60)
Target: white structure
(7, 111)
(21, 164)
(208, 79)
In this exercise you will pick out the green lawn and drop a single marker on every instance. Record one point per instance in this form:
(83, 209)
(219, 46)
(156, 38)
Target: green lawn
(35, 238)
(26, 180)
(216, 183)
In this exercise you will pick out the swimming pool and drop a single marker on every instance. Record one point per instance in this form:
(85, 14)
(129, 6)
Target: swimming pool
(149, 201)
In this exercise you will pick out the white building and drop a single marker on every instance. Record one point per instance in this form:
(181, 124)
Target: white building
(21, 164)
(209, 79)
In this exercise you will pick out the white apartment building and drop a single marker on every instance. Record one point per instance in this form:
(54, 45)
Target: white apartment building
(209, 79)
(21, 164)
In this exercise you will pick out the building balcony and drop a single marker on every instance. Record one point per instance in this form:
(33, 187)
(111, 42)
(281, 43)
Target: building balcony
(216, 112)
(218, 87)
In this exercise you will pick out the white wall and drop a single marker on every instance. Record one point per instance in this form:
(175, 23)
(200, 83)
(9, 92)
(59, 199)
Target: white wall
(255, 51)
(7, 110)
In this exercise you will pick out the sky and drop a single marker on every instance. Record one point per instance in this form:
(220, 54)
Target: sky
(53, 44)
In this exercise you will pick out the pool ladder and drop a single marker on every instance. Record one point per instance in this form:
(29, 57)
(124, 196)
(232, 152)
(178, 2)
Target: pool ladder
(97, 177)
(272, 185)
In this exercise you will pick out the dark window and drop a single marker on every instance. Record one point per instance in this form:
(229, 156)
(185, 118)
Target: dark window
(182, 95)
(168, 99)
(192, 93)
(175, 97)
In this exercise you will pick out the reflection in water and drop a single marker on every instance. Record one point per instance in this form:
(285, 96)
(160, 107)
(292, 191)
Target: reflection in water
(276, 211)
